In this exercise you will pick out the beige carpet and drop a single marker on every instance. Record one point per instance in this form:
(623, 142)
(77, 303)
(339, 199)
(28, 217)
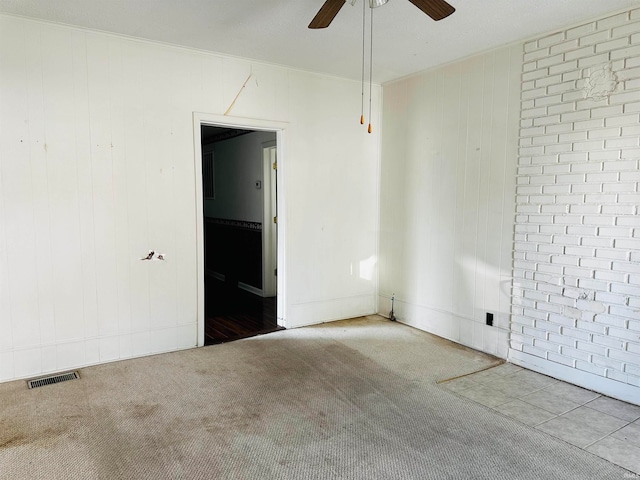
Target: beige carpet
(356, 399)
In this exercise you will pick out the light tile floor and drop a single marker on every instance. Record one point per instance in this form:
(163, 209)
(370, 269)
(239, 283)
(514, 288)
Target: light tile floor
(601, 425)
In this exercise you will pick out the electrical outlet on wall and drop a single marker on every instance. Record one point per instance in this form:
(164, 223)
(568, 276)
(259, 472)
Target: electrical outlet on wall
(490, 319)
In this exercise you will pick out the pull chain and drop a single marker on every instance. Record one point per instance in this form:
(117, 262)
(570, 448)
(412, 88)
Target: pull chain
(364, 6)
(370, 69)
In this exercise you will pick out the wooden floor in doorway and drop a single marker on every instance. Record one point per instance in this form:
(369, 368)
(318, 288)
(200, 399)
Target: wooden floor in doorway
(232, 313)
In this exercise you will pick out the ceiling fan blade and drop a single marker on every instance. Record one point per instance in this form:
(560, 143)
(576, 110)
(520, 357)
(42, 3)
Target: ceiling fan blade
(436, 9)
(326, 14)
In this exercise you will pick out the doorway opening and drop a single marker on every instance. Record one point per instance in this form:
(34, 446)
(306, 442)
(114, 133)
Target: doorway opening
(239, 185)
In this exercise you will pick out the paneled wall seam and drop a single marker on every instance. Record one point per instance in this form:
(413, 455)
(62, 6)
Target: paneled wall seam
(46, 167)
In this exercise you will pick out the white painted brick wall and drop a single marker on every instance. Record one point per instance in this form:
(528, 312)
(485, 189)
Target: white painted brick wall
(576, 295)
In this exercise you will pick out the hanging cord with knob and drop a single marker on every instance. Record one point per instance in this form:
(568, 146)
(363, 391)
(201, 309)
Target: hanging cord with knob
(364, 6)
(370, 69)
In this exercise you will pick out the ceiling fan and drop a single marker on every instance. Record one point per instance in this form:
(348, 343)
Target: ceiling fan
(436, 9)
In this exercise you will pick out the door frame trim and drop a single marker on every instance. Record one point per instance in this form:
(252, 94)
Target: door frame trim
(269, 226)
(201, 118)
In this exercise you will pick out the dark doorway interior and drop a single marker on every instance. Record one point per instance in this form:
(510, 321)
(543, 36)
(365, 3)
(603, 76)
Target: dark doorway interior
(234, 308)
(232, 313)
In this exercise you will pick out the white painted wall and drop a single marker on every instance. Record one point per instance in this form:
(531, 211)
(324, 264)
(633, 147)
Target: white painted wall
(447, 198)
(97, 167)
(239, 164)
(577, 251)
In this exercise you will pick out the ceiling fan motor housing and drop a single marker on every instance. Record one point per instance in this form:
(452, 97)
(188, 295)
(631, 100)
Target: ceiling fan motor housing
(436, 9)
(372, 3)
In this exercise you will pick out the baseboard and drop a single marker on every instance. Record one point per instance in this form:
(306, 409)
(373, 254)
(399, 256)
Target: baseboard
(250, 289)
(216, 275)
(312, 313)
(95, 351)
(452, 326)
(244, 286)
(606, 386)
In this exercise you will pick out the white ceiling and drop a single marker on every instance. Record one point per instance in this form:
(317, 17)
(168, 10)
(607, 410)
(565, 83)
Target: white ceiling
(275, 31)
